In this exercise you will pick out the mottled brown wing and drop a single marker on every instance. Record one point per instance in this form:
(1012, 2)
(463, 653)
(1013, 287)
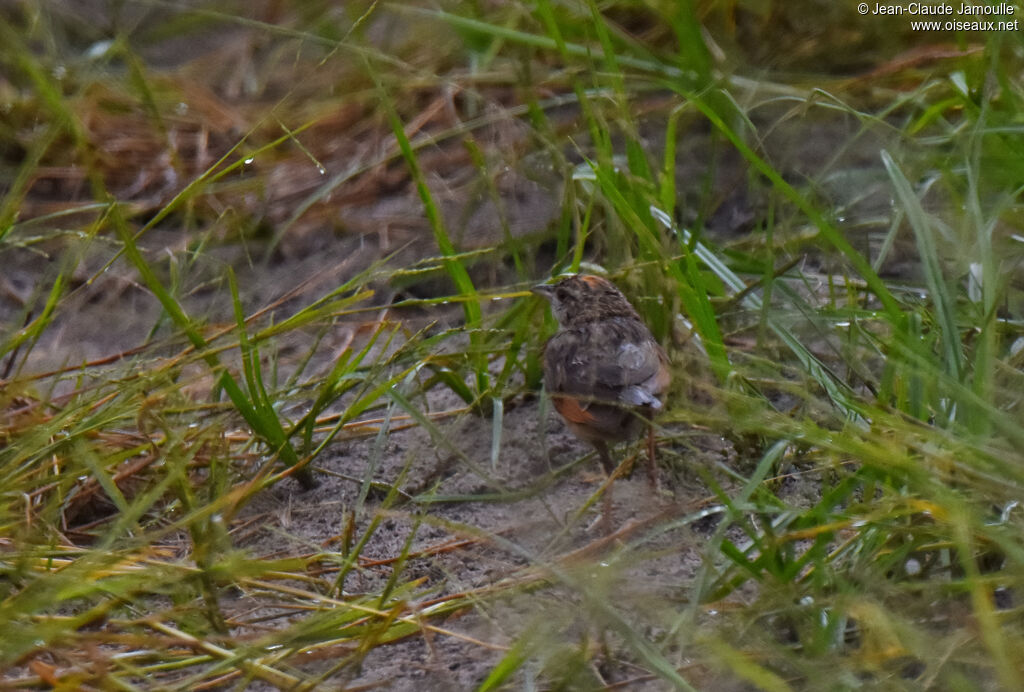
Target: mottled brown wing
(615, 361)
(638, 375)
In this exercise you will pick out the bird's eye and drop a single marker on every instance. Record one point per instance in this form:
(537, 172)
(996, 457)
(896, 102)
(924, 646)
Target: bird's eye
(562, 293)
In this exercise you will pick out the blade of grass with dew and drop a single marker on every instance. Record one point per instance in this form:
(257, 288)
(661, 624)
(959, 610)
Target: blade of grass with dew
(455, 269)
(328, 306)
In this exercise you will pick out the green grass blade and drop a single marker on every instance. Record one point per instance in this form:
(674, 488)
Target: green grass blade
(455, 269)
(938, 288)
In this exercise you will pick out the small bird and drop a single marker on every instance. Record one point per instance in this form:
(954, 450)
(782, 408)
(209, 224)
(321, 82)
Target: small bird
(603, 369)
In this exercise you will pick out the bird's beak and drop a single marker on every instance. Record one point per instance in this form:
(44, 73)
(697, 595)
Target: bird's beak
(543, 290)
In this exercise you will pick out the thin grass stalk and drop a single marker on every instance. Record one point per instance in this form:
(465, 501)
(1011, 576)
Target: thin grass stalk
(455, 269)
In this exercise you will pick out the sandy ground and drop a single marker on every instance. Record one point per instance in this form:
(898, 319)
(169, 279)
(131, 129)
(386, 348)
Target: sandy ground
(506, 538)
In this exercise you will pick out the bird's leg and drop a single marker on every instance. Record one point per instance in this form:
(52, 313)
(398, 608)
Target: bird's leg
(606, 458)
(607, 506)
(652, 469)
(305, 477)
